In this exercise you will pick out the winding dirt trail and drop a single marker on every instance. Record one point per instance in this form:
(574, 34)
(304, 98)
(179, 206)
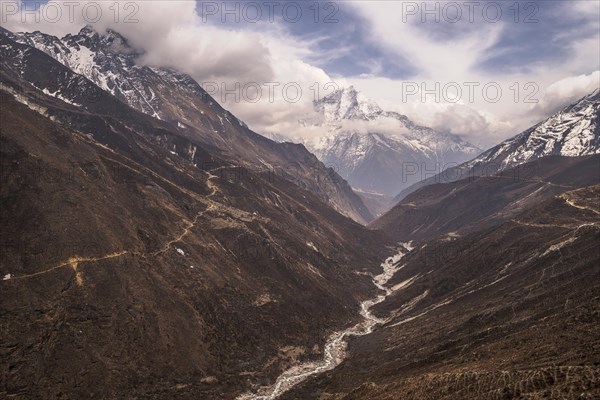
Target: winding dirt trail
(573, 204)
(75, 261)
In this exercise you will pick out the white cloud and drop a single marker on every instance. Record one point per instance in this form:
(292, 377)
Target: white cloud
(171, 34)
(565, 91)
(448, 59)
(456, 58)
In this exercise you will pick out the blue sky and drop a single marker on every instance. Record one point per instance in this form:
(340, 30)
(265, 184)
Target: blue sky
(379, 47)
(337, 34)
(537, 32)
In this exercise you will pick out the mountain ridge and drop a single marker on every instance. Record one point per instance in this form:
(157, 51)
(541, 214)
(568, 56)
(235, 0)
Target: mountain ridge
(374, 149)
(573, 131)
(143, 271)
(454, 209)
(176, 98)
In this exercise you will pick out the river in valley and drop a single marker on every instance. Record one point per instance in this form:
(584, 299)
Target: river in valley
(335, 347)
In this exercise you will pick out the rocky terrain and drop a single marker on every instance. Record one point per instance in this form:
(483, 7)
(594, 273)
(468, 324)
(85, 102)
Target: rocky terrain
(571, 132)
(153, 247)
(474, 203)
(505, 313)
(139, 261)
(111, 64)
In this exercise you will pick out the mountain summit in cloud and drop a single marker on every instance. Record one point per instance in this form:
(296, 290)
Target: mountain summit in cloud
(376, 150)
(154, 246)
(174, 97)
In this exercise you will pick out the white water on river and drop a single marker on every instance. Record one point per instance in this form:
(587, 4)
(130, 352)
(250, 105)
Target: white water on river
(335, 347)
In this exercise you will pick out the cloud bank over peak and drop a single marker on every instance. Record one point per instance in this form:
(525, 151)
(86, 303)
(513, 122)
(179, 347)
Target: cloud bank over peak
(268, 72)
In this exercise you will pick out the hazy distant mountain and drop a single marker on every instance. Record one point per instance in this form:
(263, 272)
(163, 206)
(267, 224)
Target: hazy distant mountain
(379, 151)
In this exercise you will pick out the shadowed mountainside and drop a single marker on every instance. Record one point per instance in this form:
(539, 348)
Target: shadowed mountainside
(108, 63)
(510, 312)
(156, 253)
(138, 262)
(478, 202)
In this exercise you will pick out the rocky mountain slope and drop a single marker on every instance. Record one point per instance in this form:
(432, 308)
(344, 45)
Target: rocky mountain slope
(573, 131)
(475, 203)
(508, 312)
(112, 64)
(380, 151)
(151, 249)
(149, 261)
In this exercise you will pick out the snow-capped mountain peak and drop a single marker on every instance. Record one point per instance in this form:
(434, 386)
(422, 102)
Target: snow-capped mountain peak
(347, 103)
(108, 60)
(372, 148)
(571, 132)
(113, 66)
